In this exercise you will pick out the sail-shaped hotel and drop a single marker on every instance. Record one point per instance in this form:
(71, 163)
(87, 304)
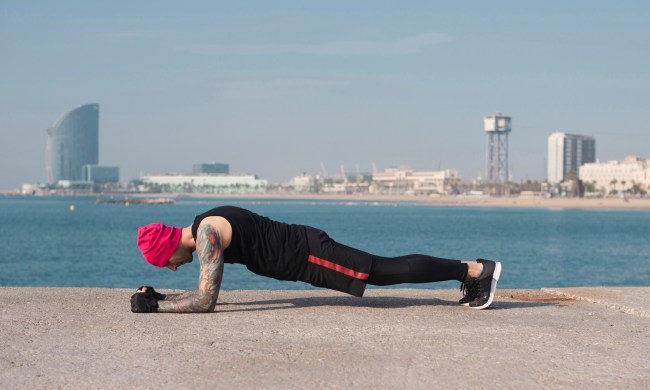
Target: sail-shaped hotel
(72, 142)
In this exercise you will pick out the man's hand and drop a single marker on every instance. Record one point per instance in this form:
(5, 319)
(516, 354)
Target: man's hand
(145, 300)
(150, 290)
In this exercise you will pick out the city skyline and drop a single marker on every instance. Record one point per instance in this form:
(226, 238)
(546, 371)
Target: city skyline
(276, 90)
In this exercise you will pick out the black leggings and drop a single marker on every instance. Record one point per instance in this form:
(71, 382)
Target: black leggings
(414, 269)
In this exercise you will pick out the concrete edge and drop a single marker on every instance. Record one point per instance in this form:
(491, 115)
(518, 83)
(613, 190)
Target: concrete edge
(601, 302)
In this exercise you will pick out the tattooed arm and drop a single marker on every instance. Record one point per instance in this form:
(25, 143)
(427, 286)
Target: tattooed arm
(203, 299)
(177, 297)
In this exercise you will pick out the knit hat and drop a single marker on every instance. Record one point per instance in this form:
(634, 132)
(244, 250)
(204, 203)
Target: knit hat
(158, 242)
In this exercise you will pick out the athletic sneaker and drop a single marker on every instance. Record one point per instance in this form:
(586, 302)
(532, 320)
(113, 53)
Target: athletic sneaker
(486, 284)
(469, 287)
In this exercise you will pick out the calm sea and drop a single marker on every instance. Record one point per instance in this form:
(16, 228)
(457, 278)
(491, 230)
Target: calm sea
(44, 243)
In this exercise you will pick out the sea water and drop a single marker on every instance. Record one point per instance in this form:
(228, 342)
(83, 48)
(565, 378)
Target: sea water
(54, 241)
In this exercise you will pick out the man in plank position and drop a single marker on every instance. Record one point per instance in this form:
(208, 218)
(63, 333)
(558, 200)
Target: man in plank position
(283, 251)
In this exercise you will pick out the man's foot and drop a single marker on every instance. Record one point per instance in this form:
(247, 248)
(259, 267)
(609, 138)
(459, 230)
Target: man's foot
(469, 287)
(486, 284)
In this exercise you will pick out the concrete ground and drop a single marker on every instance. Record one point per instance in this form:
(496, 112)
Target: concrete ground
(391, 339)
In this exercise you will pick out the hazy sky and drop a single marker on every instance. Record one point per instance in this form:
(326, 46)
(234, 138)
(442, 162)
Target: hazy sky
(276, 88)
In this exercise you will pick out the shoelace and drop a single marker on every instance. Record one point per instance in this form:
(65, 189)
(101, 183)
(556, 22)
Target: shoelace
(469, 288)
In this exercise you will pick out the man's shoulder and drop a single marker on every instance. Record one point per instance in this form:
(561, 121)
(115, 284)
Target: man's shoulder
(214, 220)
(220, 225)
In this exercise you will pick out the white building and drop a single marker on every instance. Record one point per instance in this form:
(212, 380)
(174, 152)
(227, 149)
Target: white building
(208, 184)
(617, 175)
(406, 180)
(31, 189)
(305, 183)
(566, 153)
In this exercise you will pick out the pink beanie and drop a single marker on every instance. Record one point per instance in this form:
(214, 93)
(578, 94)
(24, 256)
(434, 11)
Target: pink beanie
(158, 242)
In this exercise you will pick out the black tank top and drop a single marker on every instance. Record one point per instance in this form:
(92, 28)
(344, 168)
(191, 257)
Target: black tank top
(263, 245)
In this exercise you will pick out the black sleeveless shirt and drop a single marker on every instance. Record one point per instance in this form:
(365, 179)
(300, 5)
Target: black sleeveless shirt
(264, 246)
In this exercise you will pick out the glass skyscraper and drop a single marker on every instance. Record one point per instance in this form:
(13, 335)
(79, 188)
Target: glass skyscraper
(72, 142)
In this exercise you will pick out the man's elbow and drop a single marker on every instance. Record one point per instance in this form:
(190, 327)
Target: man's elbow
(210, 308)
(207, 305)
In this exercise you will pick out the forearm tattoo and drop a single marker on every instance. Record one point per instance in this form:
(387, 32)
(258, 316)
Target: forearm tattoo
(179, 296)
(203, 299)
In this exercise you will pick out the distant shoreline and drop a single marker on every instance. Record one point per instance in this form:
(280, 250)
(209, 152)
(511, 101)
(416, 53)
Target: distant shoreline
(467, 201)
(441, 201)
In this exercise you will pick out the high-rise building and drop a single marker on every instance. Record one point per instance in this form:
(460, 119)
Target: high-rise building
(72, 142)
(566, 153)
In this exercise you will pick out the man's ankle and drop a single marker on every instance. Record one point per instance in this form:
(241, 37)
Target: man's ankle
(474, 269)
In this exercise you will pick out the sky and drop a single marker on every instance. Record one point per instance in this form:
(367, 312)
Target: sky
(278, 88)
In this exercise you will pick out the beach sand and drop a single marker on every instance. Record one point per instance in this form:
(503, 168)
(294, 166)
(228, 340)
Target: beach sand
(458, 201)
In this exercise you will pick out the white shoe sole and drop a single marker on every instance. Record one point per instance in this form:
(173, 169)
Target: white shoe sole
(493, 287)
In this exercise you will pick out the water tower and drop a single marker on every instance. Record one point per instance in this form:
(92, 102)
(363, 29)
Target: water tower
(497, 127)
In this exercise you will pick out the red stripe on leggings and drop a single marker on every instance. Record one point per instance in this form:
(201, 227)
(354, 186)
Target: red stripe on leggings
(337, 268)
